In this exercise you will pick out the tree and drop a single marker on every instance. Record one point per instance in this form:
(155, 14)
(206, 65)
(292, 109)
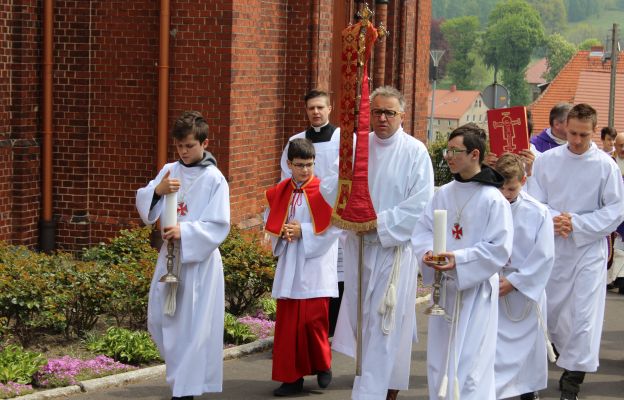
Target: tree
(553, 14)
(514, 31)
(438, 42)
(588, 43)
(461, 34)
(579, 10)
(558, 52)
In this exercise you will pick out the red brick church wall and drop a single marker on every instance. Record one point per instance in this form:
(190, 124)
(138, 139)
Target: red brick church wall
(244, 64)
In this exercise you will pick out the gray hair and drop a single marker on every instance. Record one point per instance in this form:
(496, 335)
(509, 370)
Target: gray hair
(559, 112)
(389, 91)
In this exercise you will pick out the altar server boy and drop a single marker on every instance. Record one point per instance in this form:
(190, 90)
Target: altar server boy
(189, 336)
(521, 362)
(299, 219)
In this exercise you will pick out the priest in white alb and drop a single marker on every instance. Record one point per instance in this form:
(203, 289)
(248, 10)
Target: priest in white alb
(461, 346)
(582, 187)
(400, 182)
(521, 349)
(189, 336)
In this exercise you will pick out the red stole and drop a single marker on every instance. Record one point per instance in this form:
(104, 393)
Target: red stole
(279, 198)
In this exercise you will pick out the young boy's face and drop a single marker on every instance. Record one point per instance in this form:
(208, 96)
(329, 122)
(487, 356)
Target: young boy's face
(607, 143)
(512, 187)
(190, 150)
(301, 169)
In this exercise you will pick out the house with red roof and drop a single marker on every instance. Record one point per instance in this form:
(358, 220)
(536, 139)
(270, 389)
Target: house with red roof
(585, 79)
(454, 108)
(534, 76)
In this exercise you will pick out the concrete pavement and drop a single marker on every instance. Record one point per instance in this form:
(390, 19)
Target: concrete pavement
(249, 377)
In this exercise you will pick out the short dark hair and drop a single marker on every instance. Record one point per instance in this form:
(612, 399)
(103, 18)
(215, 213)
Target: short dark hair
(474, 138)
(608, 131)
(584, 112)
(301, 148)
(559, 112)
(314, 93)
(190, 123)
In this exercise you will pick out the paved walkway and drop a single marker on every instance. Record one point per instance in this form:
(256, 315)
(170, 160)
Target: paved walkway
(249, 377)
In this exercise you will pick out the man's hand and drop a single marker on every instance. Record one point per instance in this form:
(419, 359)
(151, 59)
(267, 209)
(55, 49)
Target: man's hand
(167, 185)
(504, 286)
(563, 225)
(528, 157)
(171, 232)
(291, 231)
(450, 258)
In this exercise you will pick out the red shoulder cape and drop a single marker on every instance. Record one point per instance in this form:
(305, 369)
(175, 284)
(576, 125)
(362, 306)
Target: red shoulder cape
(279, 197)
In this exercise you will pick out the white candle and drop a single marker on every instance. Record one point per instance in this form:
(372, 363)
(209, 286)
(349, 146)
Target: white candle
(439, 231)
(170, 216)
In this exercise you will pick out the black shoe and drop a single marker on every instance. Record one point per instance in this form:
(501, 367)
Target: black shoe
(182, 398)
(610, 286)
(288, 389)
(565, 395)
(324, 378)
(530, 396)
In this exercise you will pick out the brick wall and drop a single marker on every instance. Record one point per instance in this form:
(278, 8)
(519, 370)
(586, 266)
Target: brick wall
(24, 72)
(6, 159)
(244, 64)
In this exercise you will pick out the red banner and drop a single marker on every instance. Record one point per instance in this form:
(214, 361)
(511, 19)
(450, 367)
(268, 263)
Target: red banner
(354, 209)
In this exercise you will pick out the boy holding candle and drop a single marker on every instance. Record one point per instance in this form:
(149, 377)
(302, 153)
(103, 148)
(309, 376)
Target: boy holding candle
(521, 363)
(479, 234)
(190, 337)
(299, 219)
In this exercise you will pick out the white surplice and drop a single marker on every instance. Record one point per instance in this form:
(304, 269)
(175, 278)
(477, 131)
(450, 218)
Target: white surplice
(480, 253)
(191, 341)
(306, 267)
(325, 168)
(521, 360)
(589, 187)
(400, 182)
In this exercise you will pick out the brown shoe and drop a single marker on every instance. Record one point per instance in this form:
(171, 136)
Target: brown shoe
(392, 394)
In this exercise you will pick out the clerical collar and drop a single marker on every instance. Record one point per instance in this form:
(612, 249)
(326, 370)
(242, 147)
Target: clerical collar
(555, 138)
(321, 133)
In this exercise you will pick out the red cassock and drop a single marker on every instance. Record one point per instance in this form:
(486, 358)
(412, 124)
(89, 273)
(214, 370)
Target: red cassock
(301, 345)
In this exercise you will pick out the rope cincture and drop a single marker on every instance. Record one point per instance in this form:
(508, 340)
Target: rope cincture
(389, 300)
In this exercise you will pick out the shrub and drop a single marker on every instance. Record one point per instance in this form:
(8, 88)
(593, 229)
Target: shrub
(248, 269)
(18, 365)
(235, 332)
(27, 287)
(269, 307)
(260, 327)
(129, 246)
(441, 172)
(123, 345)
(131, 260)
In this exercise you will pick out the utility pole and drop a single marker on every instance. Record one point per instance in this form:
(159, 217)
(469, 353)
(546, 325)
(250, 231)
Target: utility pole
(614, 58)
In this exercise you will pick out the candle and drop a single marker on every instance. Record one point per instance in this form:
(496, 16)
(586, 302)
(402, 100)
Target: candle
(439, 231)
(170, 216)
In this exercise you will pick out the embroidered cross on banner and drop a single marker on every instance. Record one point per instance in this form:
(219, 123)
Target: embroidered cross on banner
(457, 231)
(182, 209)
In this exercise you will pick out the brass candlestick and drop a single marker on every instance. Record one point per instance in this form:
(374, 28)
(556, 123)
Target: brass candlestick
(170, 277)
(436, 309)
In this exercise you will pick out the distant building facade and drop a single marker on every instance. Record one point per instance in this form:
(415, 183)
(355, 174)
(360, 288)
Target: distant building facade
(454, 108)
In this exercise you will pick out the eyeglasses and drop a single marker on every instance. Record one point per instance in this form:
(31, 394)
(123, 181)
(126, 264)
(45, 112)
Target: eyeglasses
(388, 113)
(303, 166)
(452, 152)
